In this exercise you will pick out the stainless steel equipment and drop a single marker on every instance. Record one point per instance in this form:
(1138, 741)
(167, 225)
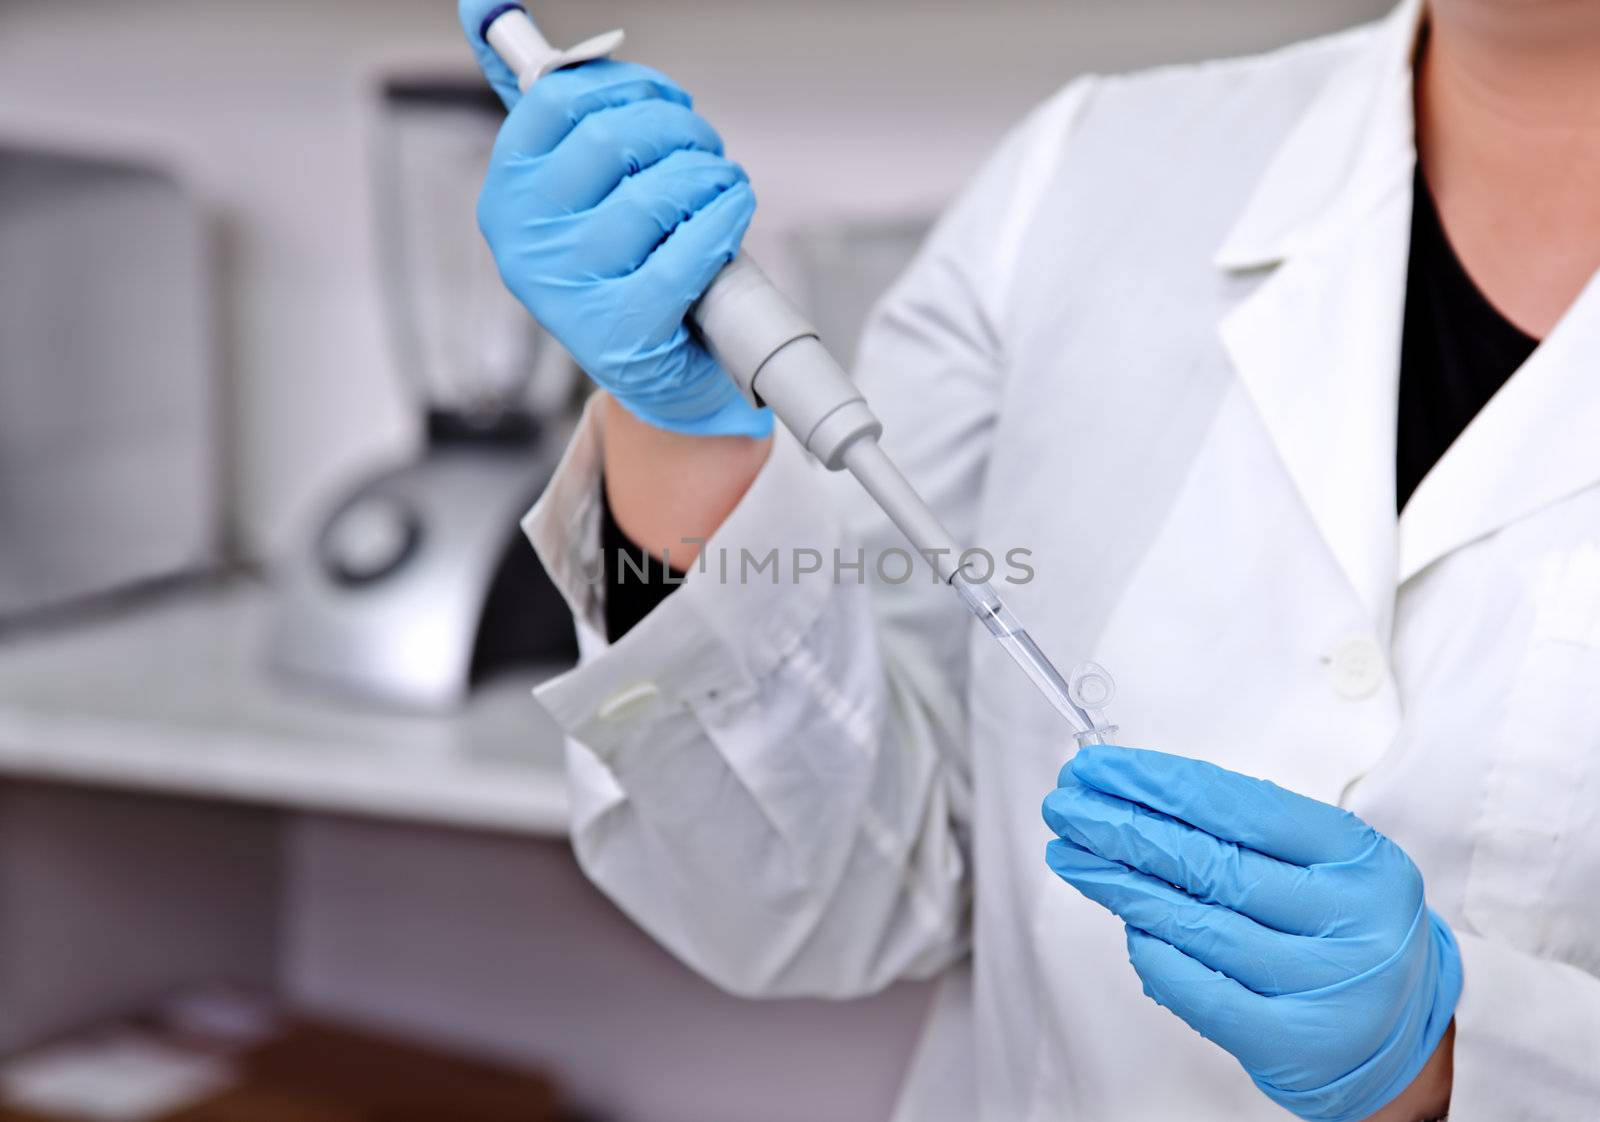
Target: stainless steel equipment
(108, 471)
(417, 582)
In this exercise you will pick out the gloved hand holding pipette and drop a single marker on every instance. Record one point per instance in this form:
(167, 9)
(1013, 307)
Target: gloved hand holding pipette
(613, 216)
(610, 206)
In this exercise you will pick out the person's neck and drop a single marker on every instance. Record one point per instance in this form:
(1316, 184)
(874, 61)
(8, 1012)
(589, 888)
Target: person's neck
(1508, 131)
(1533, 63)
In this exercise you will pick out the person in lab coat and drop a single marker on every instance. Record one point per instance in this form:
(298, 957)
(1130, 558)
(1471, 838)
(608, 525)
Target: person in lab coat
(1193, 337)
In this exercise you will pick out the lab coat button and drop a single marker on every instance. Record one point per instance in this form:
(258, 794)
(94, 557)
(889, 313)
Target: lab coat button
(626, 702)
(1357, 669)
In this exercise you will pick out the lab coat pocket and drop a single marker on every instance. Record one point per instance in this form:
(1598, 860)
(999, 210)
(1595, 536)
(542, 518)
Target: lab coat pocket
(1536, 841)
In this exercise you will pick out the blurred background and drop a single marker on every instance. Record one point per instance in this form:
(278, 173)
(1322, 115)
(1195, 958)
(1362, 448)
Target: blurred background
(281, 831)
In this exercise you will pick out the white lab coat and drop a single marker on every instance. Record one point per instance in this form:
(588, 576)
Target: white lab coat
(1156, 343)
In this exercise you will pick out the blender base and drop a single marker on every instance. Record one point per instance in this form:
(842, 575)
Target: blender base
(420, 582)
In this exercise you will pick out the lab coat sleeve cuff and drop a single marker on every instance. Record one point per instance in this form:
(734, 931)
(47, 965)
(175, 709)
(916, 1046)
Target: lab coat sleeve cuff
(1527, 1037)
(760, 585)
(564, 526)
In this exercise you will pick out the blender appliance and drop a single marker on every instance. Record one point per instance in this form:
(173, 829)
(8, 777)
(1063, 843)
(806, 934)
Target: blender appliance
(416, 583)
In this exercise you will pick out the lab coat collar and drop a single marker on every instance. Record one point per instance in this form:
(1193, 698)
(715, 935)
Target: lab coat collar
(1327, 214)
(1350, 144)
(1536, 442)
(1316, 344)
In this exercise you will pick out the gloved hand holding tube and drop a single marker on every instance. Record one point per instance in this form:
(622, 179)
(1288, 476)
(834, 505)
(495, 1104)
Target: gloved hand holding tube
(1285, 930)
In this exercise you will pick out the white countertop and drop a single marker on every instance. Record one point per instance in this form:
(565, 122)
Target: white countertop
(173, 695)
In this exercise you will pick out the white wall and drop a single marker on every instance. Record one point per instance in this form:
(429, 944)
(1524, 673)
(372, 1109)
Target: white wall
(109, 901)
(840, 107)
(500, 947)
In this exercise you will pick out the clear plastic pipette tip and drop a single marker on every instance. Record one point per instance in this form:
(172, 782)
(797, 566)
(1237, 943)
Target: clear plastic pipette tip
(1080, 701)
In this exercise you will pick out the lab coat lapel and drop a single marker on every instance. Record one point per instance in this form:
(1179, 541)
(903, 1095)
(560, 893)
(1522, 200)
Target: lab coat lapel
(1535, 442)
(1317, 342)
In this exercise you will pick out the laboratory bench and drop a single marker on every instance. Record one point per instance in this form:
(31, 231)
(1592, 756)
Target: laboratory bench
(173, 815)
(171, 694)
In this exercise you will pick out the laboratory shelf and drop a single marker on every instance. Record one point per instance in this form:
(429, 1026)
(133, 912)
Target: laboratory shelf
(172, 695)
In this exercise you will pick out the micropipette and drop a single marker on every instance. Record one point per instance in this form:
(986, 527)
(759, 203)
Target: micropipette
(774, 356)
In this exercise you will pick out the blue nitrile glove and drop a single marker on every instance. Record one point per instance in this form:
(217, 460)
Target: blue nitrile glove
(1296, 937)
(610, 207)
